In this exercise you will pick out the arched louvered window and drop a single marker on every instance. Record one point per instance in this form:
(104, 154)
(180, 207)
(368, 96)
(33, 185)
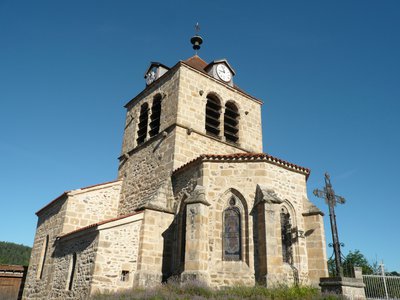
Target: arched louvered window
(155, 116)
(232, 240)
(231, 123)
(142, 126)
(286, 234)
(213, 112)
(71, 271)
(43, 255)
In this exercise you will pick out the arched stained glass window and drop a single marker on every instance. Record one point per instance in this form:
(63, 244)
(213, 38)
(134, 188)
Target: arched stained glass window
(232, 248)
(286, 234)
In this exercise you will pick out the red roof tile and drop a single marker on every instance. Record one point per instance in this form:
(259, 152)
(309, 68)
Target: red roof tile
(100, 223)
(247, 157)
(196, 62)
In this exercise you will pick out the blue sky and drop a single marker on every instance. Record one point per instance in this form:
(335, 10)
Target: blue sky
(327, 71)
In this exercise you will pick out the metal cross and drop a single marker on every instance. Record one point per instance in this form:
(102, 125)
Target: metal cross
(331, 199)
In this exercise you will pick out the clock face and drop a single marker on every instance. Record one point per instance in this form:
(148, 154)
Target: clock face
(224, 73)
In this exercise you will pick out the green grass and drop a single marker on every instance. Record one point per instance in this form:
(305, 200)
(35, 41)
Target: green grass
(197, 291)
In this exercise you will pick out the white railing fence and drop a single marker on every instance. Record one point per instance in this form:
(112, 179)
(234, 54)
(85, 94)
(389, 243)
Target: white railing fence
(382, 286)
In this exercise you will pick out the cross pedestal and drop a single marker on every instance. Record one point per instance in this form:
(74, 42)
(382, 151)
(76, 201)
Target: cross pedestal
(351, 288)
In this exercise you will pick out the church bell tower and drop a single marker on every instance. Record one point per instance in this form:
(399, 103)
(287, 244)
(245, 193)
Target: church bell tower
(186, 110)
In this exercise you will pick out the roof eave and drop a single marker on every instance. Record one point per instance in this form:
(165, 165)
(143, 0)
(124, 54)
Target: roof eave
(245, 157)
(65, 194)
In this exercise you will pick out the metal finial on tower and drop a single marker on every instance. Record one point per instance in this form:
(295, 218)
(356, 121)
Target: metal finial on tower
(196, 40)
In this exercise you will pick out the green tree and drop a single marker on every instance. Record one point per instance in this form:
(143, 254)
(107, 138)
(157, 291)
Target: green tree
(14, 254)
(352, 259)
(357, 259)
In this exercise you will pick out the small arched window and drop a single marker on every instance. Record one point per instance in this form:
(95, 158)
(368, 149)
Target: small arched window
(232, 239)
(71, 271)
(231, 122)
(213, 112)
(142, 127)
(155, 116)
(286, 235)
(42, 261)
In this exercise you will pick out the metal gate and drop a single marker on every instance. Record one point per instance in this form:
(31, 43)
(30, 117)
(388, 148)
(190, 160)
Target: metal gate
(382, 286)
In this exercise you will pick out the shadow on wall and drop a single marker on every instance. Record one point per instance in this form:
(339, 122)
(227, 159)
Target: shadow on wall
(168, 253)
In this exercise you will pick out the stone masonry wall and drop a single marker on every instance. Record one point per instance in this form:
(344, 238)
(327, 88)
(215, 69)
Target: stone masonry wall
(85, 248)
(316, 248)
(187, 179)
(167, 87)
(244, 177)
(91, 205)
(50, 223)
(194, 87)
(117, 251)
(222, 179)
(73, 210)
(190, 146)
(146, 168)
(155, 248)
(147, 176)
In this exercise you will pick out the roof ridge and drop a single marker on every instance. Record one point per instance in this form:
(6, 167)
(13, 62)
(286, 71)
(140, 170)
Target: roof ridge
(195, 57)
(69, 191)
(99, 223)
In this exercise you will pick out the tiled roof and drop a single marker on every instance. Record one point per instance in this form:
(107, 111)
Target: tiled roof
(12, 268)
(236, 157)
(99, 223)
(196, 62)
(66, 193)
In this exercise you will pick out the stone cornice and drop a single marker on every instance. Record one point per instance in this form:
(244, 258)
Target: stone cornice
(245, 157)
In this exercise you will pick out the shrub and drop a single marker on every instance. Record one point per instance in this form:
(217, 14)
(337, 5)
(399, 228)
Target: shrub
(198, 291)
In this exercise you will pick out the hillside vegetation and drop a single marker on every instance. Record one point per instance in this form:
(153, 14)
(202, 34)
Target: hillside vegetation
(14, 254)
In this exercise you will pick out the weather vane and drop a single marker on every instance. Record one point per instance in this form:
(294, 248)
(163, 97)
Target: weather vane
(196, 40)
(331, 199)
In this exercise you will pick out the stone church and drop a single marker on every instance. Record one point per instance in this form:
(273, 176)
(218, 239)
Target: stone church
(195, 199)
